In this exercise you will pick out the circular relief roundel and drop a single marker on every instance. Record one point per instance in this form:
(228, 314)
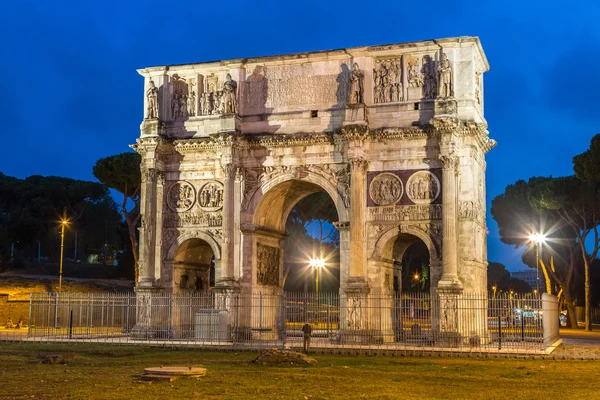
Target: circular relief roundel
(181, 196)
(210, 196)
(423, 187)
(386, 189)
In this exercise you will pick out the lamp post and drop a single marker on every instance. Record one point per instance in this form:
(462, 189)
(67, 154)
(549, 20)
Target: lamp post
(538, 239)
(63, 223)
(317, 264)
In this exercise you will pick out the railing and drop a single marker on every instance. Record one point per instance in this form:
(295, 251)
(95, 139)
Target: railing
(410, 321)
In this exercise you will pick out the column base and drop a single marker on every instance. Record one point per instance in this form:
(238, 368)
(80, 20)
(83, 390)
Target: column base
(152, 315)
(449, 285)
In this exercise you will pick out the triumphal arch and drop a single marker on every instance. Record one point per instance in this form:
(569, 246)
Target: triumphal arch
(394, 134)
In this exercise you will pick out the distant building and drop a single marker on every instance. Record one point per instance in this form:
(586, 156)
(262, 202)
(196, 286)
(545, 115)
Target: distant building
(530, 276)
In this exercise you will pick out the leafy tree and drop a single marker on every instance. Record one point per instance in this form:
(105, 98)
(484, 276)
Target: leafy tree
(518, 218)
(121, 172)
(587, 164)
(31, 208)
(500, 278)
(496, 273)
(577, 203)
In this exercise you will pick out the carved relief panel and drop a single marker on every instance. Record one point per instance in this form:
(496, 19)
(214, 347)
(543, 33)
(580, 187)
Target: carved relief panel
(386, 189)
(387, 76)
(423, 187)
(181, 196)
(404, 196)
(268, 265)
(218, 97)
(180, 97)
(210, 196)
(188, 208)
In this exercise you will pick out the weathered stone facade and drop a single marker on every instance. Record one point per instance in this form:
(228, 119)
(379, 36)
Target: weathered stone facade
(395, 134)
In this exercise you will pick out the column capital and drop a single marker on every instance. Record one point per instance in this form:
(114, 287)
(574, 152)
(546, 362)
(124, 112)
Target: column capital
(228, 170)
(358, 164)
(449, 160)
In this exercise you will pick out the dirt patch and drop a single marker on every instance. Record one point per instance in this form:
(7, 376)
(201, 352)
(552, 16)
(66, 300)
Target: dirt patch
(46, 358)
(279, 357)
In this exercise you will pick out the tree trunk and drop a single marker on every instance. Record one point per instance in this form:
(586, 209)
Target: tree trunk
(134, 248)
(547, 279)
(571, 313)
(588, 322)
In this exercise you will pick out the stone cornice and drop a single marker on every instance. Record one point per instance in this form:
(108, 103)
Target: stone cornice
(360, 133)
(252, 228)
(337, 54)
(148, 143)
(304, 139)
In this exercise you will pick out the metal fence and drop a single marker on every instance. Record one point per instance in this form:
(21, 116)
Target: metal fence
(406, 322)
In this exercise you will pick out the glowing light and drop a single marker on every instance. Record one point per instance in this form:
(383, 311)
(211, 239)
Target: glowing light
(417, 276)
(317, 262)
(64, 222)
(537, 237)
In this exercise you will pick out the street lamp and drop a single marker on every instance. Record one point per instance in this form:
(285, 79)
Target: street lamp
(64, 222)
(538, 239)
(494, 288)
(317, 264)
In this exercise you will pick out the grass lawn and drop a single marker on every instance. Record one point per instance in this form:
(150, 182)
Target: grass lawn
(110, 372)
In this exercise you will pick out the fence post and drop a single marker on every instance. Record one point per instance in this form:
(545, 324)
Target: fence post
(260, 302)
(29, 319)
(523, 325)
(499, 332)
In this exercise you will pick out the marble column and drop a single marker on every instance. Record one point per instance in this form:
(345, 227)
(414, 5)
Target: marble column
(158, 221)
(449, 279)
(146, 270)
(358, 201)
(227, 245)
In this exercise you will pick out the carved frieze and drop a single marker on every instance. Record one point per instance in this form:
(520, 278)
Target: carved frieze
(429, 77)
(250, 178)
(295, 85)
(169, 237)
(388, 81)
(179, 97)
(193, 218)
(181, 196)
(210, 196)
(268, 258)
(419, 212)
(423, 187)
(414, 73)
(385, 189)
(471, 210)
(374, 232)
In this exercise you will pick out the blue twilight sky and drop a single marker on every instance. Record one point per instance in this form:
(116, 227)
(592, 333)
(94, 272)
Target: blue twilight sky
(71, 93)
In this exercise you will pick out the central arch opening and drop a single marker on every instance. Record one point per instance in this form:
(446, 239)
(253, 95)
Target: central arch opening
(302, 213)
(312, 249)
